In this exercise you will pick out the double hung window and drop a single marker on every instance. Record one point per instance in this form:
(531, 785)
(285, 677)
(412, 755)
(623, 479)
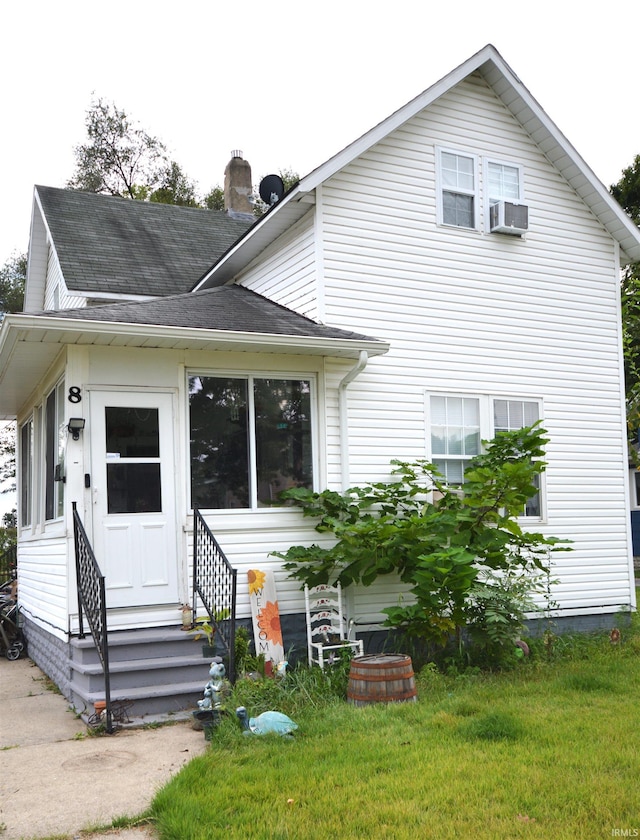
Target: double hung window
(458, 424)
(458, 205)
(459, 176)
(250, 438)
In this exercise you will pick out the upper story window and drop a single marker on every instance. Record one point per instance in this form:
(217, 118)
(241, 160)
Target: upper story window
(504, 182)
(457, 191)
(250, 438)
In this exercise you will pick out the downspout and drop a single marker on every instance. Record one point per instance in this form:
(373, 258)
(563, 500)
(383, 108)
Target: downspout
(343, 415)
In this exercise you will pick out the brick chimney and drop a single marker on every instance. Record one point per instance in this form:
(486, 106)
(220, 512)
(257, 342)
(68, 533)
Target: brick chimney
(238, 187)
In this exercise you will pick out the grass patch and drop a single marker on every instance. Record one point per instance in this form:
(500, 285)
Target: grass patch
(549, 749)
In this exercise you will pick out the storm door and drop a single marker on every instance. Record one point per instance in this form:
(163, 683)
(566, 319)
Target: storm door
(133, 491)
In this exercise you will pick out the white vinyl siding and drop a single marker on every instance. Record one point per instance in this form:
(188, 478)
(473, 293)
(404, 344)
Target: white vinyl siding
(56, 294)
(292, 257)
(536, 317)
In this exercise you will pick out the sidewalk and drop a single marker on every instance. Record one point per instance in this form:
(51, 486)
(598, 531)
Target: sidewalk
(56, 780)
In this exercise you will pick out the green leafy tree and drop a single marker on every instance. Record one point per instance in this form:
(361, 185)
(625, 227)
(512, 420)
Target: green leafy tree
(214, 199)
(119, 157)
(175, 188)
(627, 193)
(443, 541)
(12, 278)
(8, 458)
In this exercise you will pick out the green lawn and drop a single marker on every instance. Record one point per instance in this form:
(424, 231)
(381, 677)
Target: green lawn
(550, 750)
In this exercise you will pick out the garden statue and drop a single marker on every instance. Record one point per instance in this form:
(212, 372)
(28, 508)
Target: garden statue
(265, 723)
(212, 689)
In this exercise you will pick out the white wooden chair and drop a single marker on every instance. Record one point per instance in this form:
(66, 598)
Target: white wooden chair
(326, 624)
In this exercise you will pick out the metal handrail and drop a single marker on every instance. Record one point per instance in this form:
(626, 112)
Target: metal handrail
(214, 581)
(91, 599)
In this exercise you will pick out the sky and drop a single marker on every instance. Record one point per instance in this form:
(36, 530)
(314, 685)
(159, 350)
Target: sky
(290, 83)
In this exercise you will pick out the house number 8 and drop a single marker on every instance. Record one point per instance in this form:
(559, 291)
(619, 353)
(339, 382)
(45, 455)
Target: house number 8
(74, 394)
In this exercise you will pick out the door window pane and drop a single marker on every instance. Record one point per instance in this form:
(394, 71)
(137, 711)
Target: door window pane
(132, 432)
(133, 488)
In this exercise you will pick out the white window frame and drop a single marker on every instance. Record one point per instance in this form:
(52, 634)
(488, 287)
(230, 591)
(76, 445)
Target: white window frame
(489, 199)
(441, 188)
(310, 377)
(487, 430)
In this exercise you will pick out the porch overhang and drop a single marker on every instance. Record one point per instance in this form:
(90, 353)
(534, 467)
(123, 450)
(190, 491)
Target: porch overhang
(30, 344)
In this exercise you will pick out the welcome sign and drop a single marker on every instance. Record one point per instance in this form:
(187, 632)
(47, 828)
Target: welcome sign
(267, 633)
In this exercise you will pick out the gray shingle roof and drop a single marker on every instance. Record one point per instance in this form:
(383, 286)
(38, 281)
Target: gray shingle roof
(229, 308)
(110, 244)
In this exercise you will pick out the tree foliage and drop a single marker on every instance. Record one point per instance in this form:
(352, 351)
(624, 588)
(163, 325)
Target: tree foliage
(441, 540)
(627, 190)
(175, 188)
(8, 457)
(119, 157)
(12, 278)
(627, 193)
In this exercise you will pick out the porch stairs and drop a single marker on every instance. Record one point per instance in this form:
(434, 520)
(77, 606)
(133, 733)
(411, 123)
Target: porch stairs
(161, 672)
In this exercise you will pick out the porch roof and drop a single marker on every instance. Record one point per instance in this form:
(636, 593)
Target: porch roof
(227, 318)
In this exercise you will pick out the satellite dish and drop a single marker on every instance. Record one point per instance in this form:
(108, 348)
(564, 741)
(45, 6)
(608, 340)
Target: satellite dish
(271, 189)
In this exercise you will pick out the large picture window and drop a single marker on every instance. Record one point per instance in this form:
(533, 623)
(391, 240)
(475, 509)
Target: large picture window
(458, 424)
(250, 439)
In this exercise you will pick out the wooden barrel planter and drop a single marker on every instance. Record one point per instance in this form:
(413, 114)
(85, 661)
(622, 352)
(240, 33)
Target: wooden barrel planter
(381, 678)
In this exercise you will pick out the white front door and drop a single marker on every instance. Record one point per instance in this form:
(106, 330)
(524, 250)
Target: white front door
(133, 492)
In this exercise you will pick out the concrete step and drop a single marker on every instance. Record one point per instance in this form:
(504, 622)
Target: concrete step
(161, 671)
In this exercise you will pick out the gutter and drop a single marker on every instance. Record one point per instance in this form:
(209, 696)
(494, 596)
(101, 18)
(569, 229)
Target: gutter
(343, 415)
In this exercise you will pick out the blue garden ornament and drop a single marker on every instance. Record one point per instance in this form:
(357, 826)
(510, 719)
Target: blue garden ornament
(212, 689)
(266, 723)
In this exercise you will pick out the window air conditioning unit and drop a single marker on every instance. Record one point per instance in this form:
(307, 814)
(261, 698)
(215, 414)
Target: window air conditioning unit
(509, 217)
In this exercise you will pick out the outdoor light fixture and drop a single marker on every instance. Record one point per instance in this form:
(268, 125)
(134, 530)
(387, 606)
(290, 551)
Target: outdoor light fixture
(76, 425)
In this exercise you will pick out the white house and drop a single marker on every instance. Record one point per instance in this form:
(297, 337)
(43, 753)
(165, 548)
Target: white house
(453, 271)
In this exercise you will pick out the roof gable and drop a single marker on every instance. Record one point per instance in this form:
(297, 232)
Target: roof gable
(516, 98)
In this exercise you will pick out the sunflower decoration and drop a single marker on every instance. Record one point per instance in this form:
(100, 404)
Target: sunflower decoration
(268, 620)
(256, 580)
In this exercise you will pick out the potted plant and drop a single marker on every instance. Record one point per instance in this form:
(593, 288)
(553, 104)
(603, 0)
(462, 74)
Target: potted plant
(205, 628)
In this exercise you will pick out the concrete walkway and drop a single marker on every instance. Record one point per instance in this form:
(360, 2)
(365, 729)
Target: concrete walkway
(56, 780)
